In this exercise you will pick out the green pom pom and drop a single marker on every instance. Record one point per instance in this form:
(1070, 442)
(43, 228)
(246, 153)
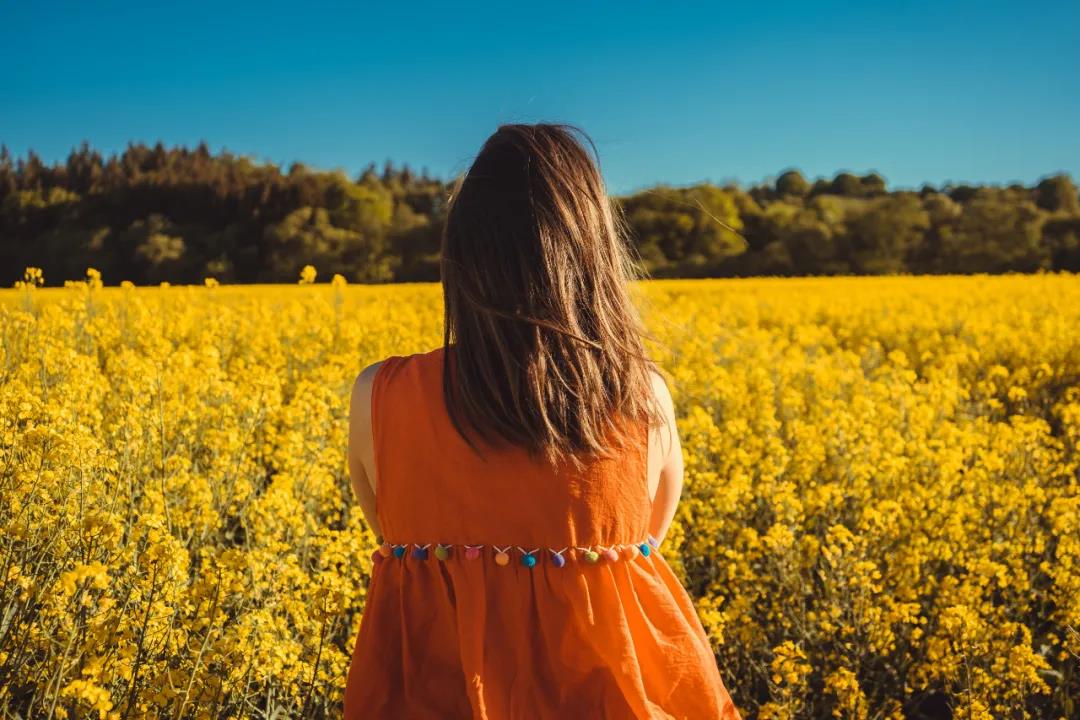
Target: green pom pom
(592, 557)
(442, 553)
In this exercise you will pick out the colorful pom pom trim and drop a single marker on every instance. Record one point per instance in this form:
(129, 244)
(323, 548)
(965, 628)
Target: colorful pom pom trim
(528, 557)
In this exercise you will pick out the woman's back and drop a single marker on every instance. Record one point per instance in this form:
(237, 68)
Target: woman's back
(509, 472)
(508, 588)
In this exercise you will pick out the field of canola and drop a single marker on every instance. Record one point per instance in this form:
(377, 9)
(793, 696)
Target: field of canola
(881, 516)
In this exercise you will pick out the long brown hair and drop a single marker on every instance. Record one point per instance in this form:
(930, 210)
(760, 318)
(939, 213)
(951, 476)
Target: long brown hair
(543, 344)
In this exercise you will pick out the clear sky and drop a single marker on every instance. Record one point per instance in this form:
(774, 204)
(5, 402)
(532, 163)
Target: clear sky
(670, 92)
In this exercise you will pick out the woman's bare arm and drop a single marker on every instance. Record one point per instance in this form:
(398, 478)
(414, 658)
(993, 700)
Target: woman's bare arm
(665, 464)
(361, 451)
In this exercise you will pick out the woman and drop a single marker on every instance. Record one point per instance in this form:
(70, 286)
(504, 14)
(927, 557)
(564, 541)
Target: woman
(524, 473)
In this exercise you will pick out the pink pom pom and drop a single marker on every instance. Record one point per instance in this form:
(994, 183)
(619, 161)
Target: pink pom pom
(472, 553)
(611, 555)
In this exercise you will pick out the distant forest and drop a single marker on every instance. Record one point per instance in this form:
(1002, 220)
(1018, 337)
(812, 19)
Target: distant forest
(153, 214)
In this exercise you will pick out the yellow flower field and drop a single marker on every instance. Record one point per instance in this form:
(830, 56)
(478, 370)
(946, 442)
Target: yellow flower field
(881, 515)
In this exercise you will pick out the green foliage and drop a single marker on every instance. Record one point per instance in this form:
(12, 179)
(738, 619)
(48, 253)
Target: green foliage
(309, 233)
(883, 238)
(996, 233)
(793, 183)
(153, 214)
(685, 231)
(1057, 194)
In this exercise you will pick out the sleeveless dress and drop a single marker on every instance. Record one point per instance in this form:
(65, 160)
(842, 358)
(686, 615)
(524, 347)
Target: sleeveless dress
(504, 591)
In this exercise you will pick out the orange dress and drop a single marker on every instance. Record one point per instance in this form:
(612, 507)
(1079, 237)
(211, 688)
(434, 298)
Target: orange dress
(485, 601)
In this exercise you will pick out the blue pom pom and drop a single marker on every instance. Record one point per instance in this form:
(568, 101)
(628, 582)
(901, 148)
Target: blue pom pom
(528, 560)
(557, 560)
(420, 553)
(645, 549)
(399, 552)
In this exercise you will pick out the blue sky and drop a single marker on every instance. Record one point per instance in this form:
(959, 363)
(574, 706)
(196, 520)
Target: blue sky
(670, 92)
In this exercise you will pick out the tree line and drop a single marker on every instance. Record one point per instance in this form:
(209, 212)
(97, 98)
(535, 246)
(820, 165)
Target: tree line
(153, 214)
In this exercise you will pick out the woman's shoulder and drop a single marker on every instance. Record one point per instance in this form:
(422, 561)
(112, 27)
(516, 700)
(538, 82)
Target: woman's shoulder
(392, 365)
(418, 360)
(661, 390)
